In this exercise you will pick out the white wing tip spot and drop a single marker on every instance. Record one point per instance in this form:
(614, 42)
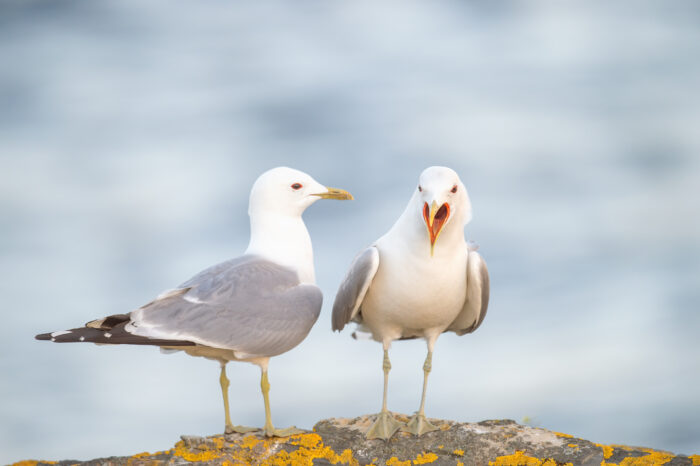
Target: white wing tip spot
(82, 338)
(108, 335)
(192, 299)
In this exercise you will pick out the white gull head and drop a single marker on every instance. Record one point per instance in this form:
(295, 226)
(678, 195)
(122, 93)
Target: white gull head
(278, 199)
(439, 208)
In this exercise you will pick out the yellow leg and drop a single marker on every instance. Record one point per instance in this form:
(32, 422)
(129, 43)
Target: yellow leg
(269, 430)
(265, 387)
(427, 367)
(230, 428)
(224, 381)
(386, 367)
(385, 425)
(418, 424)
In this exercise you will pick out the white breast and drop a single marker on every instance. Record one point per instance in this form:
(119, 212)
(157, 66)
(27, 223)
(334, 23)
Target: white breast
(414, 294)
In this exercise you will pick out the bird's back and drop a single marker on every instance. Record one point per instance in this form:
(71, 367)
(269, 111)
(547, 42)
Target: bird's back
(250, 305)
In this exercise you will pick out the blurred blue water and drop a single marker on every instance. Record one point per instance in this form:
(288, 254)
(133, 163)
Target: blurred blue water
(131, 132)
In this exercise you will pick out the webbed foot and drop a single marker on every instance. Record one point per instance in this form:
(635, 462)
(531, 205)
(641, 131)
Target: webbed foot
(230, 429)
(419, 425)
(270, 431)
(383, 427)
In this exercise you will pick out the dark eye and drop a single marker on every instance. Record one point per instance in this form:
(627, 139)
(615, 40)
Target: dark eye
(296, 186)
(454, 189)
(420, 189)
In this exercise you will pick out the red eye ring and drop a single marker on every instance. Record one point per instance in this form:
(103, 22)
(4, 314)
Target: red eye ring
(454, 189)
(296, 186)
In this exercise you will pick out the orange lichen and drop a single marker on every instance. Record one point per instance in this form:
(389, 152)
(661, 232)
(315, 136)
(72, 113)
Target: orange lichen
(459, 452)
(572, 445)
(138, 459)
(249, 448)
(696, 459)
(653, 458)
(559, 434)
(519, 458)
(607, 450)
(307, 441)
(346, 457)
(311, 447)
(394, 461)
(425, 458)
(249, 442)
(205, 454)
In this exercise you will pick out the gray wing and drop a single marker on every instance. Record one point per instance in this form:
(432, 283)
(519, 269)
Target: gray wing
(250, 305)
(477, 300)
(354, 287)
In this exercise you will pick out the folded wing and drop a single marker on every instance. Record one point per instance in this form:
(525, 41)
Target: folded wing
(477, 300)
(250, 305)
(253, 306)
(353, 288)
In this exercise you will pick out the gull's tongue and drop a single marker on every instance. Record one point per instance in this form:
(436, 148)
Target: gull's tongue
(439, 219)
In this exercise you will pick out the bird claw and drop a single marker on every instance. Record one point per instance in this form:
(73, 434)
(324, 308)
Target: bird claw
(419, 425)
(230, 429)
(383, 427)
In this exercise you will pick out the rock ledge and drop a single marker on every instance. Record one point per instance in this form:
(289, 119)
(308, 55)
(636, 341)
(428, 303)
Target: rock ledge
(341, 441)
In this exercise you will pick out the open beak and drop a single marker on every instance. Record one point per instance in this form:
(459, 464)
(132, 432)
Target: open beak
(335, 193)
(435, 218)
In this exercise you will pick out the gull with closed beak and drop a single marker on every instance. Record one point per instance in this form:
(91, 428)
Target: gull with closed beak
(417, 281)
(250, 308)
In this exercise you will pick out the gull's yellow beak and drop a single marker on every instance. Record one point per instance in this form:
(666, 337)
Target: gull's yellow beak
(435, 217)
(335, 193)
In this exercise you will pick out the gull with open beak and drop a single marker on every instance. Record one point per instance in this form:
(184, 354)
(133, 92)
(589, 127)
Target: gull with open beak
(417, 281)
(249, 308)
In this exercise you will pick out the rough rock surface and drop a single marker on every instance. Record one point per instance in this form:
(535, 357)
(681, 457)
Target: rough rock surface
(342, 441)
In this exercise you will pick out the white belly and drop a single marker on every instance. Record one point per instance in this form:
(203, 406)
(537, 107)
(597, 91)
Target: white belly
(414, 296)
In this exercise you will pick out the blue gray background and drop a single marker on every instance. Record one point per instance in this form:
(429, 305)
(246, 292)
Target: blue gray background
(131, 132)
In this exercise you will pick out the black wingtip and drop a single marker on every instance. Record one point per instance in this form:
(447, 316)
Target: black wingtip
(43, 336)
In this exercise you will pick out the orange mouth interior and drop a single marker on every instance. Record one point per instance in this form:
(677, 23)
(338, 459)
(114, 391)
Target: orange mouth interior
(441, 217)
